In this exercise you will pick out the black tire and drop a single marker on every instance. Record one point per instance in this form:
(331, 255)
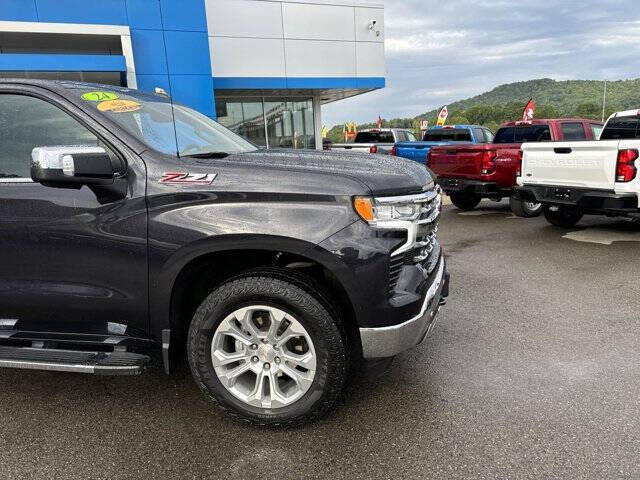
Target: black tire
(465, 201)
(565, 217)
(524, 209)
(297, 295)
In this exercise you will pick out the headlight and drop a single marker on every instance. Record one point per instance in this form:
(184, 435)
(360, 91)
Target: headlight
(381, 210)
(384, 212)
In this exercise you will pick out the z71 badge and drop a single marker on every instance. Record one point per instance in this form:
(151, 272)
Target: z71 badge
(182, 178)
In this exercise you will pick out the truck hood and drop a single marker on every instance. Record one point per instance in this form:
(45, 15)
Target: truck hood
(381, 174)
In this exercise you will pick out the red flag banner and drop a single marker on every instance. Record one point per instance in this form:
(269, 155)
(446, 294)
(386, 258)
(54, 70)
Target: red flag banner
(379, 122)
(529, 111)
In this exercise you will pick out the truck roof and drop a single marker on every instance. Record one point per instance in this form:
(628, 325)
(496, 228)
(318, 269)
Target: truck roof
(547, 121)
(457, 125)
(62, 86)
(57, 84)
(626, 113)
(385, 130)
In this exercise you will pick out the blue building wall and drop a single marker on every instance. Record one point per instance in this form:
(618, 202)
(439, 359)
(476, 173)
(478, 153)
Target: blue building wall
(169, 40)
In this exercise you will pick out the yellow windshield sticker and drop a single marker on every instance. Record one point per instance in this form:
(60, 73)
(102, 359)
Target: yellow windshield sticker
(119, 106)
(99, 96)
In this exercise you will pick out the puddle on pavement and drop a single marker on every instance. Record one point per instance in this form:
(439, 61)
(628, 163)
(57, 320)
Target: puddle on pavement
(603, 236)
(477, 213)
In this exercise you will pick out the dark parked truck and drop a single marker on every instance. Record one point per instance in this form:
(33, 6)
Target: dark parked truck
(131, 226)
(469, 173)
(437, 136)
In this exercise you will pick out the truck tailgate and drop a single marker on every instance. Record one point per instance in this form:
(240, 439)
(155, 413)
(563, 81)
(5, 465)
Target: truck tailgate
(413, 151)
(459, 161)
(577, 164)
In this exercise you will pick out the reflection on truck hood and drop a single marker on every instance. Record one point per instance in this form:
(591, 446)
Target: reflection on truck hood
(382, 174)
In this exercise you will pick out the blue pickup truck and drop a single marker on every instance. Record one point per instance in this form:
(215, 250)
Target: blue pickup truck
(444, 135)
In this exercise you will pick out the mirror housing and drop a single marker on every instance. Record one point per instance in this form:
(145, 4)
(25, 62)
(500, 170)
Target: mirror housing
(72, 166)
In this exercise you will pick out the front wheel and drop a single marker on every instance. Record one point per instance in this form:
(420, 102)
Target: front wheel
(565, 217)
(465, 201)
(524, 209)
(268, 349)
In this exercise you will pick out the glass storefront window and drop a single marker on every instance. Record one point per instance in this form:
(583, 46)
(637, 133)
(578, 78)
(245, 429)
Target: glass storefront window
(304, 135)
(246, 118)
(289, 122)
(279, 128)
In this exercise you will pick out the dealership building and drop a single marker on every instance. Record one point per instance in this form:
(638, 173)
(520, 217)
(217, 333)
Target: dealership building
(263, 68)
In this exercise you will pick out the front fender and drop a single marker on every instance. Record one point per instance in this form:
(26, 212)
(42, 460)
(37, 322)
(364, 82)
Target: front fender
(190, 225)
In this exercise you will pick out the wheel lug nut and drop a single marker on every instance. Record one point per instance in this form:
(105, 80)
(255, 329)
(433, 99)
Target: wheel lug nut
(254, 359)
(264, 340)
(267, 366)
(254, 347)
(277, 359)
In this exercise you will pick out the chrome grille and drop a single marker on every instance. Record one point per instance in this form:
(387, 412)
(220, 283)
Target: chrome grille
(395, 268)
(422, 231)
(421, 246)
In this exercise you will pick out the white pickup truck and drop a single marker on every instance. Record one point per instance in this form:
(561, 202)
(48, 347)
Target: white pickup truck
(572, 179)
(376, 140)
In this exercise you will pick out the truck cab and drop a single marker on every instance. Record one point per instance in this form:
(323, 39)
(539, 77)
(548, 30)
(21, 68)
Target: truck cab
(442, 135)
(376, 140)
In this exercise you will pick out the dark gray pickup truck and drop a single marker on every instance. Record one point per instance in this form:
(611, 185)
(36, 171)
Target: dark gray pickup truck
(129, 226)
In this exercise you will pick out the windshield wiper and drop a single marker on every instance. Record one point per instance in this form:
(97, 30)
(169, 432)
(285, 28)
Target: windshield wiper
(208, 155)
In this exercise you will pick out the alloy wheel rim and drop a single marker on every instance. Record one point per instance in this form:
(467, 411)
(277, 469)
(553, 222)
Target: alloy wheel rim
(532, 205)
(263, 356)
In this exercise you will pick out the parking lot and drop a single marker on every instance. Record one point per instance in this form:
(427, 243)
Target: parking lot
(531, 372)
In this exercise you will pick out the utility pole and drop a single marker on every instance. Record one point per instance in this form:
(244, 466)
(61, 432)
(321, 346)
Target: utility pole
(604, 99)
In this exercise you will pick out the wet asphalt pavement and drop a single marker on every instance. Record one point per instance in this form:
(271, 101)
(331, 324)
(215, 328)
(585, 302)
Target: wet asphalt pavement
(533, 371)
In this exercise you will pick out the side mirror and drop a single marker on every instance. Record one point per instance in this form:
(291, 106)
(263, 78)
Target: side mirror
(72, 166)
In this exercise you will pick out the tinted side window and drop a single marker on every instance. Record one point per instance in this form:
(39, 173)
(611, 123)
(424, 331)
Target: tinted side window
(402, 137)
(488, 135)
(505, 135)
(596, 130)
(528, 133)
(374, 137)
(447, 135)
(620, 128)
(533, 133)
(28, 122)
(573, 131)
(479, 133)
(411, 137)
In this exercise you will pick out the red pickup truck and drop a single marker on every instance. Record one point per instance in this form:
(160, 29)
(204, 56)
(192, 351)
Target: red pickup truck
(469, 173)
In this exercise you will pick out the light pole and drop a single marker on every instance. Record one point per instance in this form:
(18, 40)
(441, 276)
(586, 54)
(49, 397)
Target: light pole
(604, 99)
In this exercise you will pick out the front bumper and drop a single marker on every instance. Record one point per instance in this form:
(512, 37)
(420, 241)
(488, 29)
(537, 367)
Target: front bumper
(382, 342)
(588, 200)
(475, 187)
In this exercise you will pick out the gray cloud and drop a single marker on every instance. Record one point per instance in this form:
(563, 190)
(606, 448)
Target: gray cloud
(438, 52)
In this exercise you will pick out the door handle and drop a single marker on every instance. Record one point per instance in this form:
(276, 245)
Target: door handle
(562, 150)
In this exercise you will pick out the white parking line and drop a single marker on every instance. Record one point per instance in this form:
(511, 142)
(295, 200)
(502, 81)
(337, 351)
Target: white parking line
(602, 236)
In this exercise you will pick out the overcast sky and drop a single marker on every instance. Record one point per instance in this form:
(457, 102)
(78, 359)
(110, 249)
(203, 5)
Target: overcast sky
(440, 51)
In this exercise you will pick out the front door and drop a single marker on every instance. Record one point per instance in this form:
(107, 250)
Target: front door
(70, 261)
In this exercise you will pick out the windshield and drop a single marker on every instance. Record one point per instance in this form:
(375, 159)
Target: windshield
(151, 119)
(620, 128)
(528, 133)
(447, 135)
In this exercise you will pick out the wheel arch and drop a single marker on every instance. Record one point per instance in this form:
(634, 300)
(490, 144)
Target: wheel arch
(191, 275)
